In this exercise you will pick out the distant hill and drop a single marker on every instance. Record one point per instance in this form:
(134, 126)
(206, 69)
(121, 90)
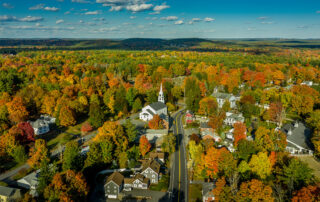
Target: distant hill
(197, 44)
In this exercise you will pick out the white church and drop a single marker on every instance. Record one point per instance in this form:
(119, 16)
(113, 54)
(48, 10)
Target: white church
(159, 108)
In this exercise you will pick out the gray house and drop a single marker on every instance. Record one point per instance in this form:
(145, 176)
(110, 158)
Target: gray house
(298, 138)
(30, 182)
(207, 194)
(113, 185)
(42, 125)
(9, 194)
(139, 181)
(223, 97)
(151, 170)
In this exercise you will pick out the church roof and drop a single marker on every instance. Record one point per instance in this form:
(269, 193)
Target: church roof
(157, 106)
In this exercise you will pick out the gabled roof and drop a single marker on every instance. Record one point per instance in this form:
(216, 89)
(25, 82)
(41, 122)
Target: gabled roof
(7, 191)
(139, 177)
(207, 189)
(154, 165)
(150, 112)
(300, 135)
(154, 155)
(116, 177)
(39, 123)
(158, 105)
(31, 179)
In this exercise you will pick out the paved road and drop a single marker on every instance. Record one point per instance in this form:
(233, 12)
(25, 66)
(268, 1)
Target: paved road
(179, 178)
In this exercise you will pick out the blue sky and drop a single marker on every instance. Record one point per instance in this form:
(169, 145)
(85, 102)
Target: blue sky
(159, 19)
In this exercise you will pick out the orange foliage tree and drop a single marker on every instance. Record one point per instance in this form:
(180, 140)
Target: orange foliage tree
(255, 190)
(67, 186)
(212, 160)
(66, 116)
(38, 153)
(239, 132)
(17, 110)
(208, 106)
(156, 122)
(309, 193)
(144, 145)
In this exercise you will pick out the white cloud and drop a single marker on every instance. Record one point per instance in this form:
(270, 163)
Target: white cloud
(54, 9)
(108, 29)
(7, 5)
(317, 11)
(67, 12)
(133, 17)
(30, 19)
(6, 18)
(179, 22)
(207, 19)
(138, 7)
(42, 7)
(92, 13)
(267, 23)
(252, 29)
(161, 7)
(194, 20)
(263, 18)
(37, 7)
(129, 5)
(170, 18)
(81, 1)
(59, 21)
(44, 28)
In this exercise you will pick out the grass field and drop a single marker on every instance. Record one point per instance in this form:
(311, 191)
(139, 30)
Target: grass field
(315, 165)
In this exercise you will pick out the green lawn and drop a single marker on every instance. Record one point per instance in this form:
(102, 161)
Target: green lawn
(54, 139)
(195, 192)
(162, 184)
(61, 139)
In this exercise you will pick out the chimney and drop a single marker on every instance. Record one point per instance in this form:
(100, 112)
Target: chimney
(290, 132)
(296, 124)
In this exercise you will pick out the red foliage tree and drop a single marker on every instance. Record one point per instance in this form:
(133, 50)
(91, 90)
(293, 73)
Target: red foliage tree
(27, 133)
(86, 127)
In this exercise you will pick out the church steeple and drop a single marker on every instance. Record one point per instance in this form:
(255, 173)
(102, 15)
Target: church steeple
(161, 96)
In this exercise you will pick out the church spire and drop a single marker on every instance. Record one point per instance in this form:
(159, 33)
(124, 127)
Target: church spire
(161, 96)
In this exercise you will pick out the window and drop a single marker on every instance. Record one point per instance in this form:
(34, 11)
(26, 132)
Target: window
(153, 176)
(153, 180)
(146, 171)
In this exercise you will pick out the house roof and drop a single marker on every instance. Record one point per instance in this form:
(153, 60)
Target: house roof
(116, 177)
(154, 155)
(222, 95)
(157, 106)
(207, 189)
(128, 180)
(300, 134)
(154, 165)
(7, 191)
(38, 123)
(150, 112)
(31, 179)
(138, 176)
